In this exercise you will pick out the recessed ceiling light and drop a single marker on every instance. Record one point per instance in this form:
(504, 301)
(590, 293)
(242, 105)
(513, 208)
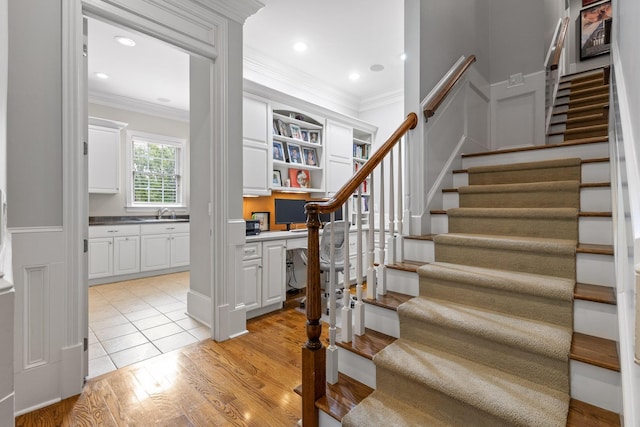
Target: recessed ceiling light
(376, 67)
(300, 47)
(102, 76)
(354, 76)
(403, 56)
(164, 100)
(125, 41)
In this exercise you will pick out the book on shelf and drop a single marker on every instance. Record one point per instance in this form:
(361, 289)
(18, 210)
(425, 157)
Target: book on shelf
(363, 201)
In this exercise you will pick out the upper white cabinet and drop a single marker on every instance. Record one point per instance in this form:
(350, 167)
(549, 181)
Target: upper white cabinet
(256, 146)
(104, 155)
(339, 158)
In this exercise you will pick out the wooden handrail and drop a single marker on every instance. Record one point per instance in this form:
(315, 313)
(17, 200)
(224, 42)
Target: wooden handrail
(431, 108)
(347, 190)
(559, 44)
(313, 352)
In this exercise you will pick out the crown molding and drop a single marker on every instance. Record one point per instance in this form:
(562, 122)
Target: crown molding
(138, 106)
(382, 100)
(237, 10)
(267, 71)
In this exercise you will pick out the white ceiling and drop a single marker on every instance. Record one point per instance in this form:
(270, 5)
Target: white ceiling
(343, 36)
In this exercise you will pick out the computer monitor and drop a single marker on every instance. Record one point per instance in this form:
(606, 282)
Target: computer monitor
(288, 211)
(324, 218)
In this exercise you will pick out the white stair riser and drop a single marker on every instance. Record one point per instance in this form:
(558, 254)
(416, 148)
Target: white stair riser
(418, 250)
(595, 199)
(596, 386)
(583, 151)
(555, 139)
(357, 367)
(557, 127)
(460, 179)
(592, 199)
(595, 319)
(326, 420)
(382, 320)
(595, 269)
(404, 282)
(593, 230)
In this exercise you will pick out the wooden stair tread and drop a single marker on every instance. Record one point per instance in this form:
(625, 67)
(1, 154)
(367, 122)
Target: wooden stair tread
(595, 293)
(591, 248)
(538, 147)
(598, 160)
(422, 237)
(367, 345)
(582, 185)
(590, 128)
(582, 109)
(598, 71)
(340, 397)
(581, 213)
(595, 351)
(582, 414)
(410, 266)
(391, 300)
(589, 118)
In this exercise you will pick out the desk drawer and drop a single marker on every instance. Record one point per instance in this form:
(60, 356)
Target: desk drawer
(252, 250)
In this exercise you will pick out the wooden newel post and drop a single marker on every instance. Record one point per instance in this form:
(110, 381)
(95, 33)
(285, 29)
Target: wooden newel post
(313, 353)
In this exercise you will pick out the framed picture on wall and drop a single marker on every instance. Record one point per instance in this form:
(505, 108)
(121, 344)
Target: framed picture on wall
(595, 30)
(263, 218)
(586, 3)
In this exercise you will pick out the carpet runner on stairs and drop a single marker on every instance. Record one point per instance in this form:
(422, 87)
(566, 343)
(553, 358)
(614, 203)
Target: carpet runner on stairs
(487, 341)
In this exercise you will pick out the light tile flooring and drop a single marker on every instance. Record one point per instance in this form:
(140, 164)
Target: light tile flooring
(137, 319)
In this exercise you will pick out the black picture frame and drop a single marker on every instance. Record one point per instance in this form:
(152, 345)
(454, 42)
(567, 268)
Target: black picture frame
(595, 30)
(264, 218)
(278, 151)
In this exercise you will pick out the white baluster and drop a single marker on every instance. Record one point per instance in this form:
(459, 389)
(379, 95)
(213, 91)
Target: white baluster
(391, 242)
(346, 334)
(332, 350)
(382, 268)
(400, 219)
(358, 322)
(371, 272)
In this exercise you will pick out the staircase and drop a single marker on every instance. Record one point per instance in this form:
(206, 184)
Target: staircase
(506, 314)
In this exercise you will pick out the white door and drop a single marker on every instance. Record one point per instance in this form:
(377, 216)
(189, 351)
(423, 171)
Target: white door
(155, 252)
(126, 255)
(252, 275)
(179, 249)
(274, 278)
(100, 257)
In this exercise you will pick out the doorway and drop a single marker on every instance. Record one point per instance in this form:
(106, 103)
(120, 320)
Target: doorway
(142, 84)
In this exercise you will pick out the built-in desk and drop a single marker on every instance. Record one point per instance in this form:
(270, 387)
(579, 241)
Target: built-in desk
(272, 263)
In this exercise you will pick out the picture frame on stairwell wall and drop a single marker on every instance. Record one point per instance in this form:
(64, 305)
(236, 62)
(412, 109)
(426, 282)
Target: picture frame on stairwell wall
(595, 30)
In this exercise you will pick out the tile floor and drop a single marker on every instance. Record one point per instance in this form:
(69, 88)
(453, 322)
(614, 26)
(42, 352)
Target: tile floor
(137, 319)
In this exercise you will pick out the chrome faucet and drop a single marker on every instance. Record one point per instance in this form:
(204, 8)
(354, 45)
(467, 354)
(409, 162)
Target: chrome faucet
(162, 211)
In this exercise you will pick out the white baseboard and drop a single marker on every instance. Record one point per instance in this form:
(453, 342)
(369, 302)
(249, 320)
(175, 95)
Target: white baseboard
(199, 307)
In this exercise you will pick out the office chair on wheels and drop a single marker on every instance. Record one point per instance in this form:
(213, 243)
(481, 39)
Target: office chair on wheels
(338, 228)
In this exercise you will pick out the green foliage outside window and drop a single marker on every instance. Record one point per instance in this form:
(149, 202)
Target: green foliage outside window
(155, 173)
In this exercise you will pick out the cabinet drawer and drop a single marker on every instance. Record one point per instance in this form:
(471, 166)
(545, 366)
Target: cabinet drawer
(113, 230)
(252, 250)
(165, 228)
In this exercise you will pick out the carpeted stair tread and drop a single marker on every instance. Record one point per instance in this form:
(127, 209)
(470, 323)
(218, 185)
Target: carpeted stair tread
(554, 257)
(525, 283)
(548, 170)
(515, 243)
(550, 194)
(537, 337)
(533, 148)
(532, 296)
(532, 222)
(396, 413)
(471, 388)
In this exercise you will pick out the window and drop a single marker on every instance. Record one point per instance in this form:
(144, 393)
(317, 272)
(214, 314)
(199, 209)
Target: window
(156, 170)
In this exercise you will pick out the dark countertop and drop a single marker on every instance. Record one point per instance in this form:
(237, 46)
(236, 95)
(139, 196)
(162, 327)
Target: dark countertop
(121, 220)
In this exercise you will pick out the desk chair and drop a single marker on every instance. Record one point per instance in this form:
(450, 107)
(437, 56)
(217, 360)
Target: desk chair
(325, 255)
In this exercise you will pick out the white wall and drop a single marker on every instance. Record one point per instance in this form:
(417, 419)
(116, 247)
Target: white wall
(628, 34)
(114, 204)
(573, 43)
(34, 129)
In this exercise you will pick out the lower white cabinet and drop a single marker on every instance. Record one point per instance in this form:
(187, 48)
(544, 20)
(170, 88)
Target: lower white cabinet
(264, 273)
(164, 246)
(113, 250)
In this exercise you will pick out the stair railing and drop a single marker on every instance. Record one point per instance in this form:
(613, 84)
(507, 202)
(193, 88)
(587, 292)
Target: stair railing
(554, 66)
(314, 354)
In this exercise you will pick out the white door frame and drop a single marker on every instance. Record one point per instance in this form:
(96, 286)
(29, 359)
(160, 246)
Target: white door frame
(198, 27)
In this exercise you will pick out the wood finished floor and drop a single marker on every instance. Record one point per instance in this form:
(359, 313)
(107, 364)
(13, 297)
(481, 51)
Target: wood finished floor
(247, 381)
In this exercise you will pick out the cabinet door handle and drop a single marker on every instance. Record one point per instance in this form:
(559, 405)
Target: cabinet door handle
(171, 228)
(112, 231)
